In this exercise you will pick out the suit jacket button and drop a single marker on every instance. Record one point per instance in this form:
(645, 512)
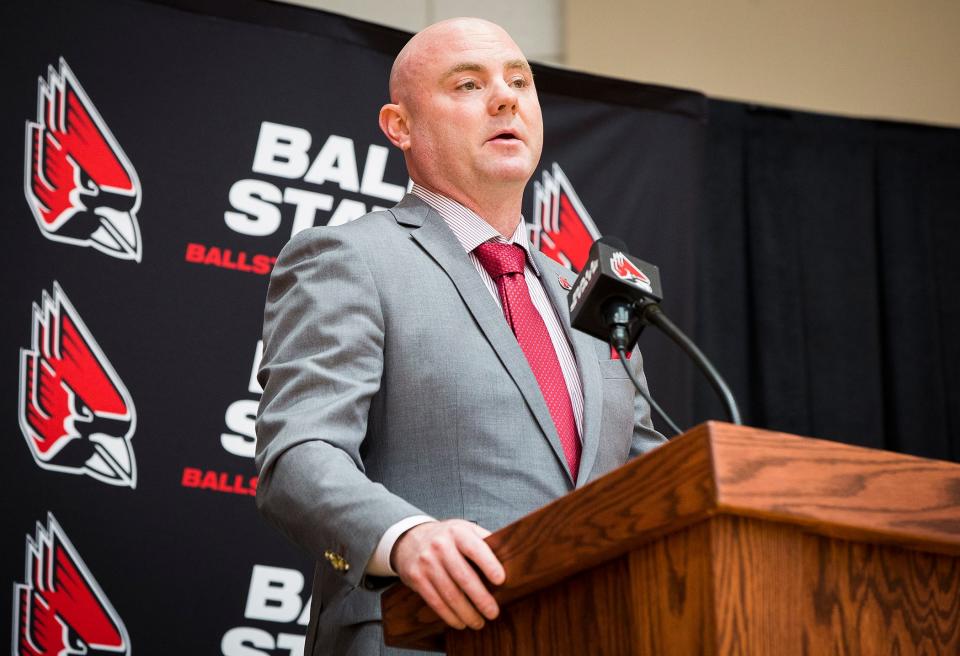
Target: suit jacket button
(336, 561)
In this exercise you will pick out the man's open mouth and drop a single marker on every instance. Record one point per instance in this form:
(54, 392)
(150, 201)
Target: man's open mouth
(505, 136)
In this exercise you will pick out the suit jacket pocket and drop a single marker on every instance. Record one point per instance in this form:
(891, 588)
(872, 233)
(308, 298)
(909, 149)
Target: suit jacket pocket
(613, 369)
(360, 605)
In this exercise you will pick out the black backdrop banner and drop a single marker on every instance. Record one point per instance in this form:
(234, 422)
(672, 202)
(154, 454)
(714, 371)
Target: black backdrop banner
(828, 282)
(158, 159)
(161, 153)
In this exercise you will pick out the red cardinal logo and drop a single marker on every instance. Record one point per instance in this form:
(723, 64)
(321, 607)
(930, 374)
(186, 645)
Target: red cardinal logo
(626, 270)
(59, 609)
(75, 413)
(80, 186)
(562, 229)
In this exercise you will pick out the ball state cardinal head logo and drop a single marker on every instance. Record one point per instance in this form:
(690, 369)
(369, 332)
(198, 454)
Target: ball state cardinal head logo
(75, 413)
(80, 186)
(562, 229)
(626, 270)
(59, 609)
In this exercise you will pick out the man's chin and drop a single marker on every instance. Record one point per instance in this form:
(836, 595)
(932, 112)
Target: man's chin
(517, 172)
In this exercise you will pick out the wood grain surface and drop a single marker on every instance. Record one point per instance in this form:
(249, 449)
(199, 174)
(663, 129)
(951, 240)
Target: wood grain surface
(736, 586)
(590, 613)
(758, 606)
(868, 599)
(673, 595)
(836, 489)
(795, 485)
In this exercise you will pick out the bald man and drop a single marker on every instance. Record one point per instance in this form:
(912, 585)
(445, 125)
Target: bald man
(422, 385)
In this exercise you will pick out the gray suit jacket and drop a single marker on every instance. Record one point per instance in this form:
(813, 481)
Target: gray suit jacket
(393, 386)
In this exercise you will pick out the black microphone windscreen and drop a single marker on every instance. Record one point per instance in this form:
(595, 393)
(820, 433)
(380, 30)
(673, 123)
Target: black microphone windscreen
(611, 277)
(614, 242)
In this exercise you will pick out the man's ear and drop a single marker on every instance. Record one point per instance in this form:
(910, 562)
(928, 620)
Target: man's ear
(393, 122)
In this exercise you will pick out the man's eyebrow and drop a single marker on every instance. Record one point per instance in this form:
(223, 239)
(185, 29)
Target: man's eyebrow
(518, 63)
(461, 67)
(478, 68)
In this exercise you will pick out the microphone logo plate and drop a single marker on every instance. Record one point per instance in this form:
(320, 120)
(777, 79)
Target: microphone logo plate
(626, 270)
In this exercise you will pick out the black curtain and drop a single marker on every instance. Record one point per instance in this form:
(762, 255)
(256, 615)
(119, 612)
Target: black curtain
(828, 281)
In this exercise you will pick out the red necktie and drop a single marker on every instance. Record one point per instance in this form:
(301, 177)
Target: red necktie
(505, 264)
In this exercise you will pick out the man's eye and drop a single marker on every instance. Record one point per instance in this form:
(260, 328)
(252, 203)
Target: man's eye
(469, 85)
(518, 82)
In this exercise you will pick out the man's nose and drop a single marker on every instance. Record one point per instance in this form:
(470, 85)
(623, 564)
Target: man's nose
(504, 98)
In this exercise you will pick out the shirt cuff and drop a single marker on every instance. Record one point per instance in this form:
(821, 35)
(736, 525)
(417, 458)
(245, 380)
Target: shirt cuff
(379, 564)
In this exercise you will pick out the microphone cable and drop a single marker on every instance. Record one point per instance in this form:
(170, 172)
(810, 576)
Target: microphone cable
(649, 399)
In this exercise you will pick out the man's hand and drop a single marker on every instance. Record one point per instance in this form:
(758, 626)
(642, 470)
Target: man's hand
(431, 559)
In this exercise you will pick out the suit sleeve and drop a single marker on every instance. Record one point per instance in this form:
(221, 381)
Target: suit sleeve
(645, 436)
(323, 339)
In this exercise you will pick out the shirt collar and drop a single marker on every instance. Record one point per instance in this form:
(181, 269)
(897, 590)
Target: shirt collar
(468, 227)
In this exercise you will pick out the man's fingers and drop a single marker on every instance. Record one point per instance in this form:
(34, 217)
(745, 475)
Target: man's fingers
(428, 592)
(479, 552)
(467, 580)
(435, 560)
(454, 596)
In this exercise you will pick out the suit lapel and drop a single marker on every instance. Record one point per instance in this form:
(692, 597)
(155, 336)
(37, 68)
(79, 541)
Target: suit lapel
(587, 365)
(435, 237)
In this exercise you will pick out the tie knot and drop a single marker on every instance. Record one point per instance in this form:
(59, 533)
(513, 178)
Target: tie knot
(500, 259)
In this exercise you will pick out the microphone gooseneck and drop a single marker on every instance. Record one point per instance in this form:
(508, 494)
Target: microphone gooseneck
(652, 314)
(615, 296)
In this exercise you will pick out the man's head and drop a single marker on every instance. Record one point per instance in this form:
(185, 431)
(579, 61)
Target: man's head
(464, 110)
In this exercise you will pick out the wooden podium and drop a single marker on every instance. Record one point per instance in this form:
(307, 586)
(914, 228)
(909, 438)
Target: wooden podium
(727, 540)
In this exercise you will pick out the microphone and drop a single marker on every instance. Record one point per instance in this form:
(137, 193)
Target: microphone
(615, 296)
(606, 296)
